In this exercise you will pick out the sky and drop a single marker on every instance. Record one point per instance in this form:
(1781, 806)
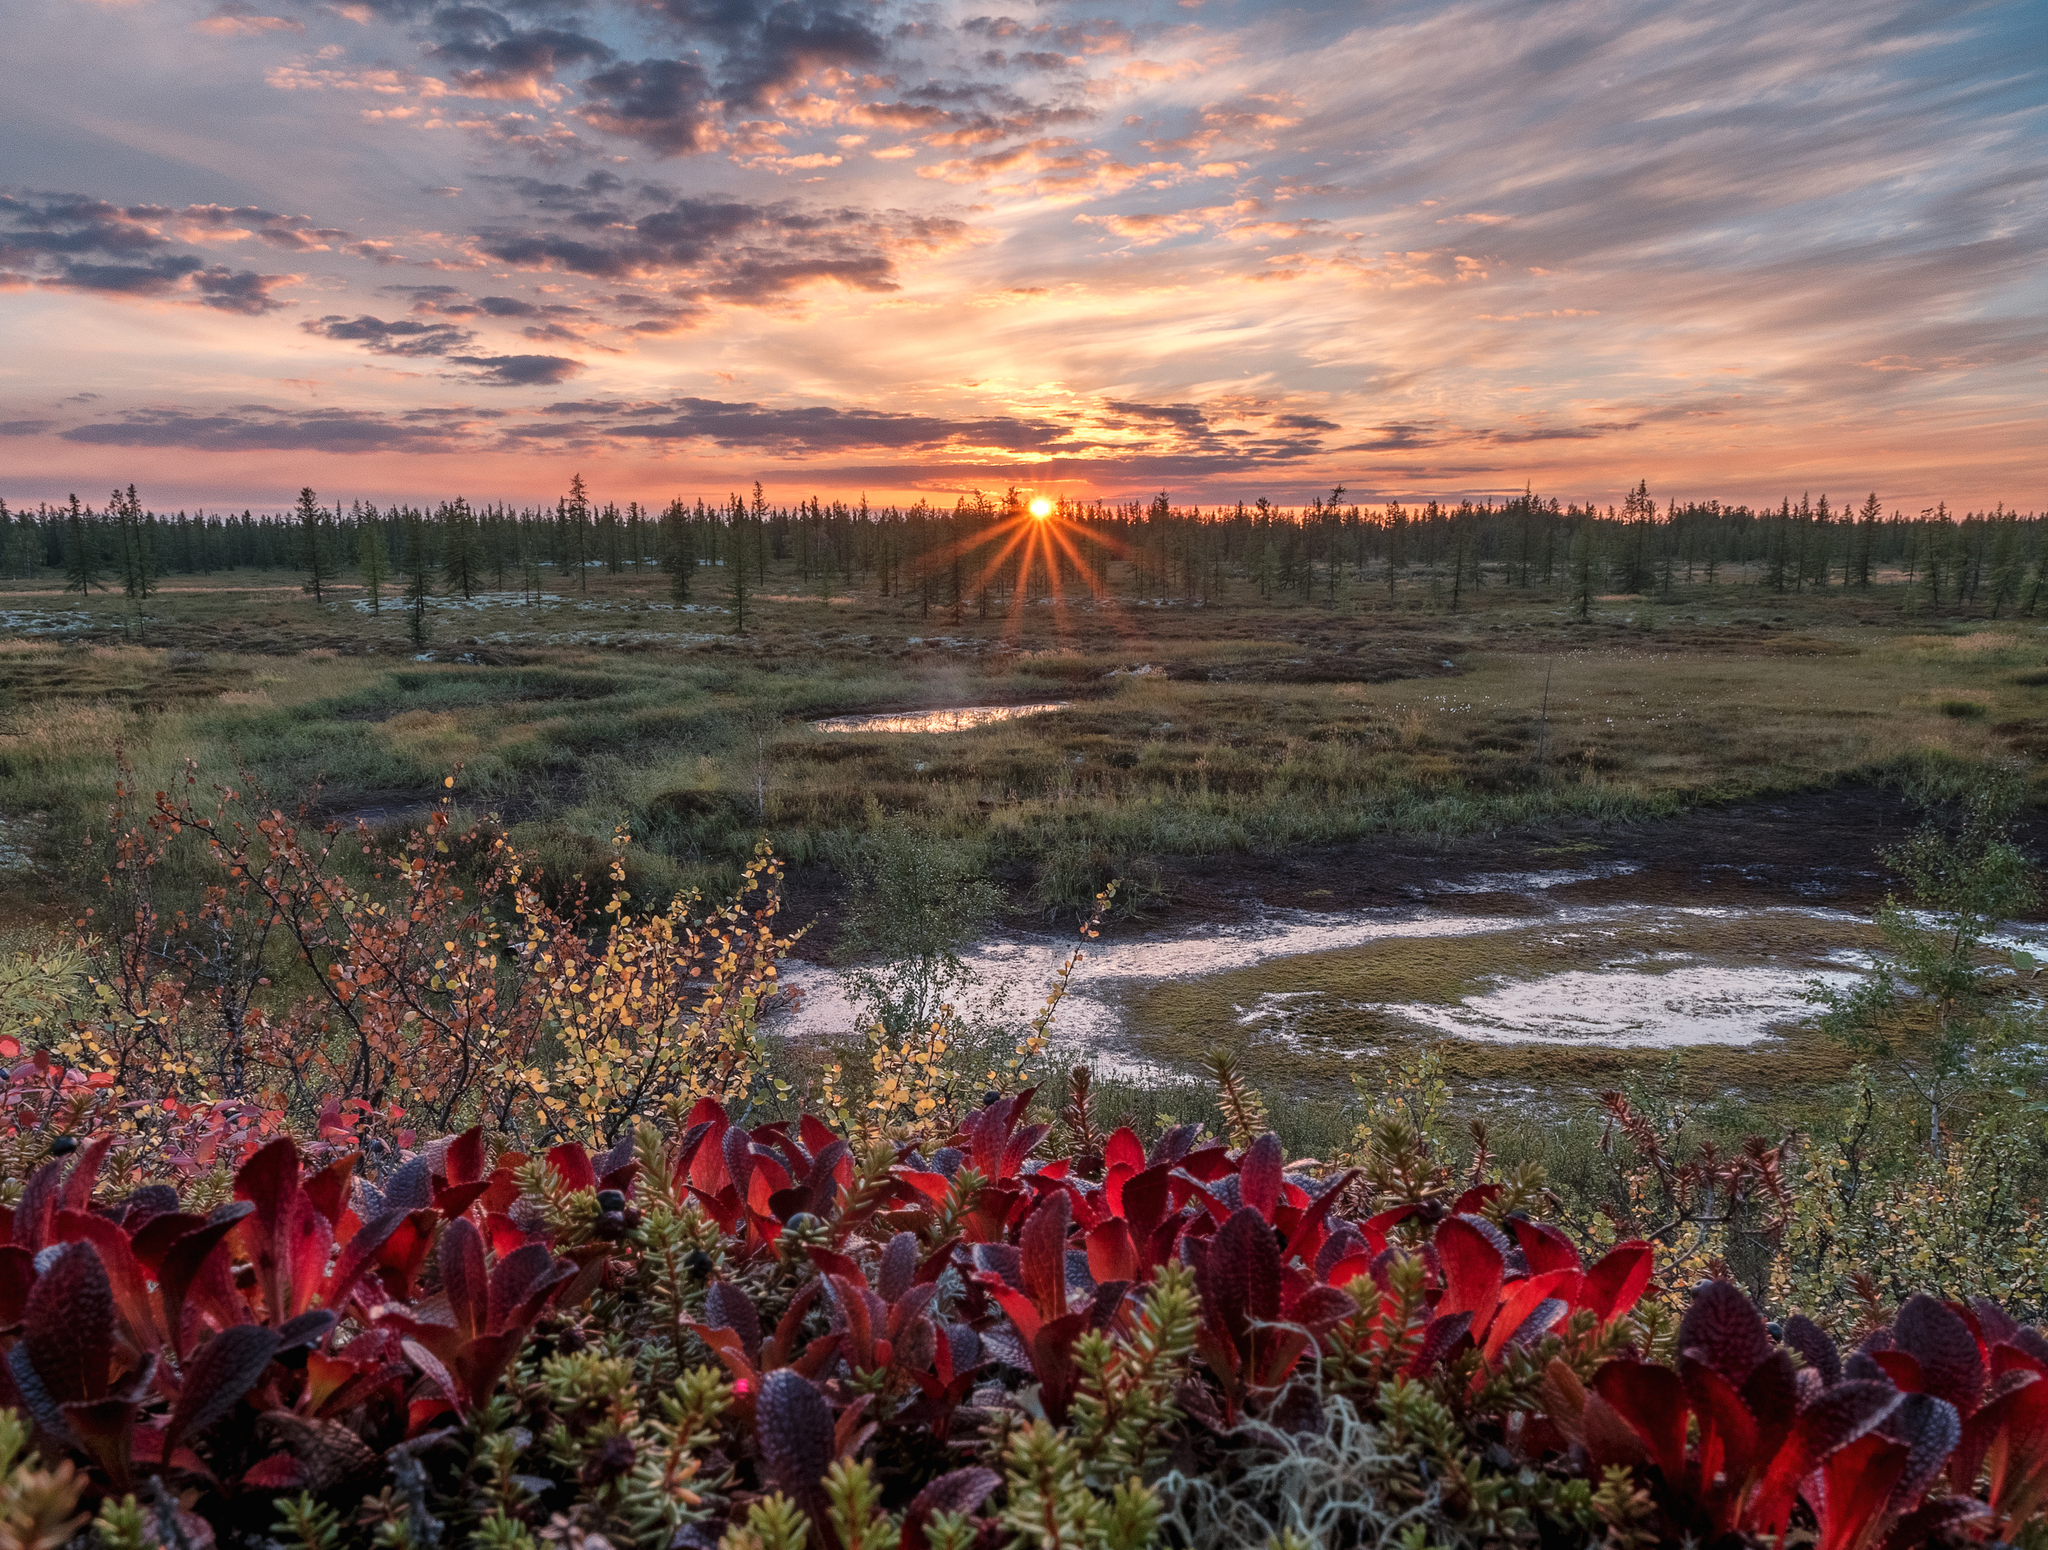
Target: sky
(407, 249)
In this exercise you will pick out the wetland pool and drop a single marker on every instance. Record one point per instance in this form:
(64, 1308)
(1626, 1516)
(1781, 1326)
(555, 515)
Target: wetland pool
(1546, 966)
(957, 718)
(1538, 995)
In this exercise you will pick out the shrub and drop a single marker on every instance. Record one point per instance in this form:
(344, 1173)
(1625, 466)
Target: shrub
(325, 971)
(766, 1336)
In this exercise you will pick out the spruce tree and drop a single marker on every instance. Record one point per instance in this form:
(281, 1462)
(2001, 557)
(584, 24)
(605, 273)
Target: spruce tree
(372, 560)
(578, 514)
(614, 552)
(419, 575)
(461, 559)
(1584, 565)
(138, 562)
(678, 550)
(736, 566)
(81, 551)
(1780, 539)
(1866, 541)
(313, 556)
(2008, 567)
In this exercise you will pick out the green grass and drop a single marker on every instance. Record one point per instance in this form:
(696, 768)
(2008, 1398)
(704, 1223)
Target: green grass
(1272, 727)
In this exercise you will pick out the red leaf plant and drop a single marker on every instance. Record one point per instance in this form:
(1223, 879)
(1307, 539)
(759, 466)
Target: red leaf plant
(1744, 1425)
(913, 1306)
(203, 1349)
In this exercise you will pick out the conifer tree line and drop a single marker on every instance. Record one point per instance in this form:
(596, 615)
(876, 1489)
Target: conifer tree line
(970, 557)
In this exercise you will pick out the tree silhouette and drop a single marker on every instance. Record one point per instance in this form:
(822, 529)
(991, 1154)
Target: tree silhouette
(313, 556)
(81, 551)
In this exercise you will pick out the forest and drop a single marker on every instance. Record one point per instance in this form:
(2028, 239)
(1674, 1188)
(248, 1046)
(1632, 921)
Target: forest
(963, 558)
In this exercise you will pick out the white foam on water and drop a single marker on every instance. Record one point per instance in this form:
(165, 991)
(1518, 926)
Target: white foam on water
(1093, 1011)
(1695, 1003)
(1657, 1000)
(1531, 882)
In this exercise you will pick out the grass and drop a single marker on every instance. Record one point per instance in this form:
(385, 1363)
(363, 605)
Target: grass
(1270, 726)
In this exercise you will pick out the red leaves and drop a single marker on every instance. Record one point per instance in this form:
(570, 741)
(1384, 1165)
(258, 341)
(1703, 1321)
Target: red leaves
(962, 1490)
(491, 1313)
(1862, 1452)
(288, 1239)
(2010, 1435)
(1474, 1258)
(1945, 1360)
(67, 1334)
(1044, 1245)
(1723, 1330)
(571, 1164)
(436, 1292)
(1112, 1256)
(1237, 1276)
(1036, 1301)
(1258, 1176)
(797, 1437)
(1616, 1284)
(997, 1147)
(1635, 1414)
(225, 1369)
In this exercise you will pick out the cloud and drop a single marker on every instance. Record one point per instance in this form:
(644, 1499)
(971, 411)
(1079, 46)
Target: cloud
(735, 251)
(816, 429)
(1398, 437)
(501, 59)
(1556, 433)
(73, 242)
(242, 291)
(519, 370)
(1187, 416)
(451, 301)
(159, 277)
(664, 104)
(765, 45)
(402, 336)
(260, 428)
(234, 20)
(226, 223)
(25, 427)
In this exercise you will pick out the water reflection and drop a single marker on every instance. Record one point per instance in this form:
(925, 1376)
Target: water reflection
(960, 718)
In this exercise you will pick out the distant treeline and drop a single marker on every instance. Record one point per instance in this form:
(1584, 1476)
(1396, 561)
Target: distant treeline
(986, 548)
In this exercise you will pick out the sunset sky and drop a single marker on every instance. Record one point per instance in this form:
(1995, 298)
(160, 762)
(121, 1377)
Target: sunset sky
(401, 249)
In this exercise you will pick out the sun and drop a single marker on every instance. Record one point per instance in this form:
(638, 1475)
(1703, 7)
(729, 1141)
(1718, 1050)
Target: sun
(1041, 508)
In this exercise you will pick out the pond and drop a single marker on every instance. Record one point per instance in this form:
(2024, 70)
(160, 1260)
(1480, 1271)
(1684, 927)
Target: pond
(1648, 976)
(958, 718)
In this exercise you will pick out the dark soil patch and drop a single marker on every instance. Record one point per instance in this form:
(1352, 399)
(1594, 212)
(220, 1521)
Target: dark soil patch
(1813, 847)
(1365, 665)
(1808, 848)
